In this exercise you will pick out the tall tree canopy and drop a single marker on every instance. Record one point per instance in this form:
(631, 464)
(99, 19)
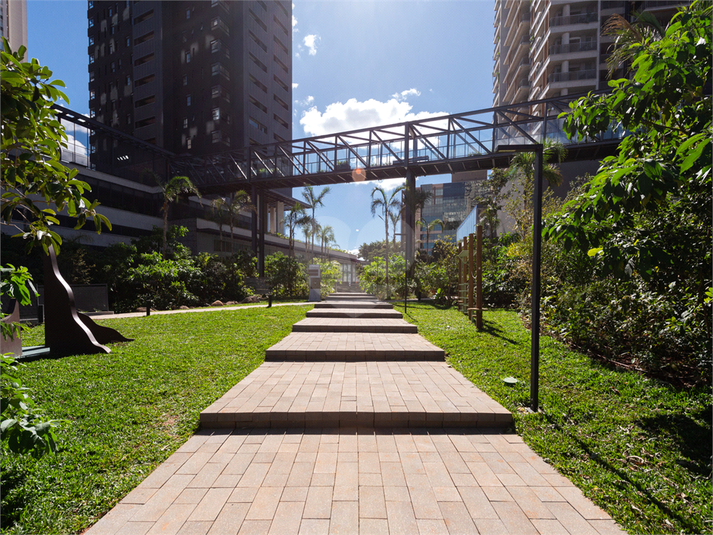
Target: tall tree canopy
(648, 209)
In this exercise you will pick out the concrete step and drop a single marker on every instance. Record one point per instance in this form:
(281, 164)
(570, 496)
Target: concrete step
(354, 325)
(353, 313)
(353, 347)
(344, 394)
(354, 304)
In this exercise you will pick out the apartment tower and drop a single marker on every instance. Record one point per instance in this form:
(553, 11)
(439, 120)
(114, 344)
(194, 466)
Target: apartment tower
(192, 77)
(551, 48)
(13, 22)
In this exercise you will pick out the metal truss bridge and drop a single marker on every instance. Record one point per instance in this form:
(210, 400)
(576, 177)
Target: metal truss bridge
(437, 145)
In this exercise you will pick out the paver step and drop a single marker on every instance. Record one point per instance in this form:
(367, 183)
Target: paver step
(354, 304)
(353, 313)
(347, 297)
(354, 325)
(353, 347)
(339, 394)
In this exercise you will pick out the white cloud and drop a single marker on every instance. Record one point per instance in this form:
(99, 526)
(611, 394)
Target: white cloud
(405, 94)
(353, 115)
(294, 85)
(294, 19)
(311, 41)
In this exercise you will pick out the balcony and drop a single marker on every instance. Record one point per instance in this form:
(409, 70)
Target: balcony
(589, 74)
(584, 18)
(572, 48)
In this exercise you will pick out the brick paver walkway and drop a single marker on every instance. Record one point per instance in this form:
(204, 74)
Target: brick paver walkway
(375, 446)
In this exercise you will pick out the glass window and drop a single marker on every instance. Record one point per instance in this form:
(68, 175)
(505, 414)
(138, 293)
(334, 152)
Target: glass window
(91, 59)
(188, 14)
(113, 66)
(91, 40)
(188, 57)
(185, 122)
(215, 45)
(215, 69)
(128, 41)
(91, 22)
(185, 79)
(215, 91)
(216, 114)
(128, 79)
(188, 143)
(188, 100)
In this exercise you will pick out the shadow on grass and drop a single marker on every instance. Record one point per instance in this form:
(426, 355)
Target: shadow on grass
(493, 329)
(692, 438)
(643, 491)
(12, 482)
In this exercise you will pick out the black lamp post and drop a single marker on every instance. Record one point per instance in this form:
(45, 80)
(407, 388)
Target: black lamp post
(537, 148)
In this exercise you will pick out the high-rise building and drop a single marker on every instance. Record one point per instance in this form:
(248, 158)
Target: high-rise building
(13, 22)
(551, 48)
(192, 77)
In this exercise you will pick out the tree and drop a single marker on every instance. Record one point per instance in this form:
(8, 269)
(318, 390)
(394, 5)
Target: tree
(645, 218)
(235, 203)
(395, 217)
(380, 201)
(314, 200)
(519, 199)
(171, 190)
(35, 184)
(35, 188)
(429, 227)
(648, 209)
(296, 217)
(326, 236)
(218, 216)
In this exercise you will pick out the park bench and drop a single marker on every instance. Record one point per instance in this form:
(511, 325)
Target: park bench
(260, 286)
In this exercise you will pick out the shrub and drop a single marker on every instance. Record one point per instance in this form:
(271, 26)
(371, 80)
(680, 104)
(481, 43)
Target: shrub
(286, 276)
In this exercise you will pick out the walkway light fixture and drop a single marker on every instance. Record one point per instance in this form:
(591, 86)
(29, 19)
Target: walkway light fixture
(537, 148)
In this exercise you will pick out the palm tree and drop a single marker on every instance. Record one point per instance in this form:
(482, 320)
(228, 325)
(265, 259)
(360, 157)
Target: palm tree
(385, 204)
(645, 28)
(429, 227)
(326, 236)
(296, 217)
(307, 229)
(395, 216)
(218, 216)
(235, 203)
(171, 191)
(523, 166)
(313, 200)
(416, 200)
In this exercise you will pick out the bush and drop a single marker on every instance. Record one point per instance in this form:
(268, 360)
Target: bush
(286, 276)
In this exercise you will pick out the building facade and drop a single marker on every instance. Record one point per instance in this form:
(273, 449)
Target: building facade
(13, 22)
(450, 202)
(193, 77)
(201, 79)
(551, 48)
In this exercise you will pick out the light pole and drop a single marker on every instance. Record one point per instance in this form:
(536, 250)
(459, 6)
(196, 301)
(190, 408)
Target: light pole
(537, 148)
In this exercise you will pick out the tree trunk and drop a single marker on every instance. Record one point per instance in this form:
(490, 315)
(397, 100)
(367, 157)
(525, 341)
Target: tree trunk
(165, 228)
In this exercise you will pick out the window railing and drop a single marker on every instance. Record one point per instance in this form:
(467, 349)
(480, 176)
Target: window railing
(584, 18)
(573, 47)
(588, 74)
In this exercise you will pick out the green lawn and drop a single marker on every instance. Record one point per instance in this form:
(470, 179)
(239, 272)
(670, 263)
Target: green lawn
(130, 410)
(639, 448)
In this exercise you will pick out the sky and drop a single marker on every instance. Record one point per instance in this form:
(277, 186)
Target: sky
(356, 64)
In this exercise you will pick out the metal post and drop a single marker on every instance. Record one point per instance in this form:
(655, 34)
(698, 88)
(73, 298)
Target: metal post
(471, 281)
(479, 279)
(409, 218)
(536, 260)
(261, 230)
(253, 215)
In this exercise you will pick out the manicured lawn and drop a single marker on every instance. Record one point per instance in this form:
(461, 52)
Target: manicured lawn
(639, 448)
(130, 410)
